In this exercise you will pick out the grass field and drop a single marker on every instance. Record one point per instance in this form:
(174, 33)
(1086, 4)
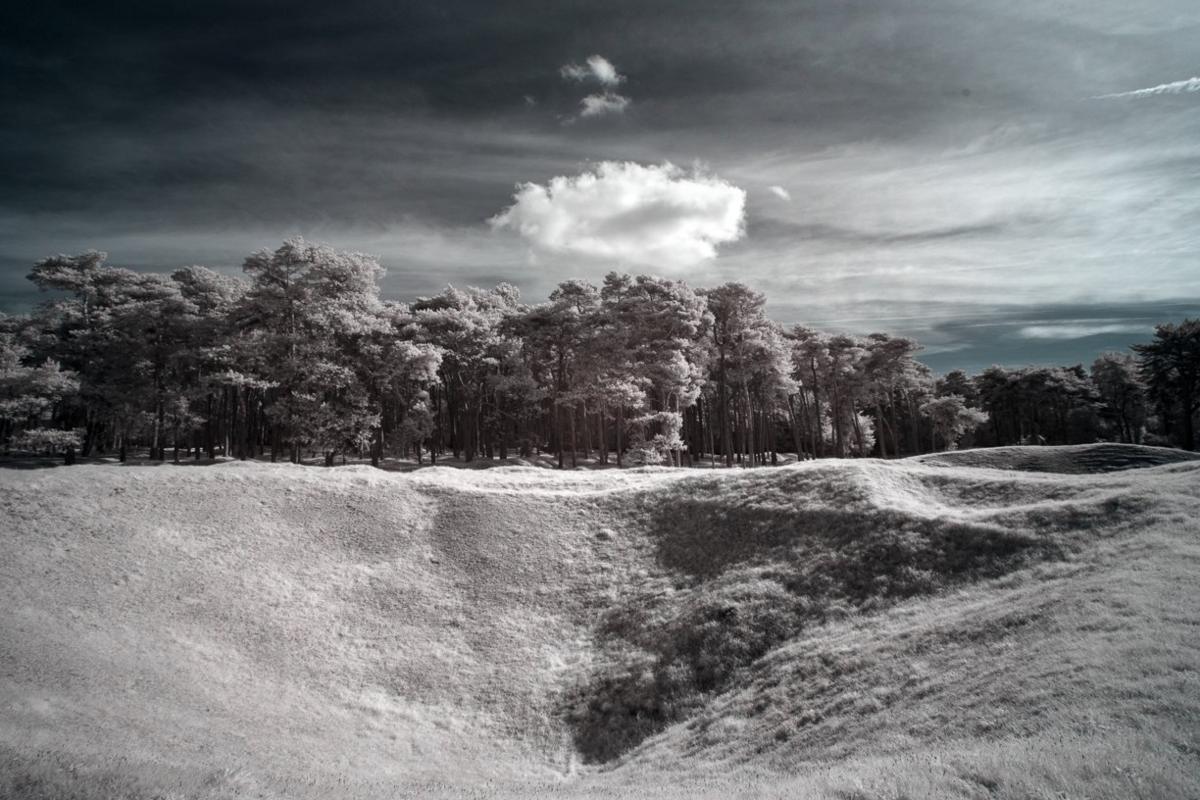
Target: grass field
(1022, 622)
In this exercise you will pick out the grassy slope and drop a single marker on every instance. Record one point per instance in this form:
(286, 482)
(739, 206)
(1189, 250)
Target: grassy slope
(269, 628)
(1074, 676)
(1071, 459)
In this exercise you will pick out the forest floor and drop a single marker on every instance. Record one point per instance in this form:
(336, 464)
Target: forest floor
(1010, 623)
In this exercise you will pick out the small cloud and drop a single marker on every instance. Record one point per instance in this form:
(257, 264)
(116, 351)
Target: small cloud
(1175, 87)
(1076, 331)
(657, 215)
(574, 72)
(596, 68)
(604, 71)
(597, 105)
(781, 193)
(599, 69)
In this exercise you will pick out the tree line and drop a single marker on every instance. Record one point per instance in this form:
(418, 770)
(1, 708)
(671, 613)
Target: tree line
(301, 357)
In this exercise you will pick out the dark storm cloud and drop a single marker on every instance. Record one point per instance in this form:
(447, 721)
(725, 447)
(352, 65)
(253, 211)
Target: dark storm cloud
(933, 150)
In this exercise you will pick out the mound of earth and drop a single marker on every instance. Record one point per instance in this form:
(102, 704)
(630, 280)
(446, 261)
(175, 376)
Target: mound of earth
(1070, 459)
(841, 629)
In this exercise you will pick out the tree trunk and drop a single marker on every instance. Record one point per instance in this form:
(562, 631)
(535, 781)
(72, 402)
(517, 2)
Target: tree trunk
(1187, 405)
(620, 425)
(879, 433)
(895, 424)
(562, 463)
(89, 432)
(712, 445)
(795, 425)
(601, 441)
(726, 433)
(156, 442)
(574, 444)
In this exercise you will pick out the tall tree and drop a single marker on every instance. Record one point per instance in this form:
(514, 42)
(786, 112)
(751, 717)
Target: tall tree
(651, 330)
(558, 335)
(950, 417)
(308, 309)
(469, 328)
(738, 326)
(1122, 394)
(31, 396)
(1039, 405)
(210, 361)
(1170, 365)
(890, 369)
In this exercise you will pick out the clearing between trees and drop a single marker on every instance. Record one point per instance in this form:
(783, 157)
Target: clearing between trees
(1016, 622)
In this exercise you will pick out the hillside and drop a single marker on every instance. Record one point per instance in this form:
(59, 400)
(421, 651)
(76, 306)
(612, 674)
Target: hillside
(864, 629)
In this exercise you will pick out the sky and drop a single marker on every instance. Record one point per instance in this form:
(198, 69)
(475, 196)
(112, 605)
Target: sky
(1009, 183)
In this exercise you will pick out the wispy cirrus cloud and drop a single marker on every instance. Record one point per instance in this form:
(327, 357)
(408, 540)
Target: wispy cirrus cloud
(1079, 331)
(1174, 87)
(655, 215)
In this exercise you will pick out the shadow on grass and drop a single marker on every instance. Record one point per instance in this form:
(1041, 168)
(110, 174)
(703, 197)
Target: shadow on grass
(27, 462)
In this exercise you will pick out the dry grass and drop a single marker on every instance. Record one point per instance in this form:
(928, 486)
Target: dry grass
(869, 630)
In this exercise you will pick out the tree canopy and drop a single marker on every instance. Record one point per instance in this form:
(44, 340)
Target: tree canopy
(300, 357)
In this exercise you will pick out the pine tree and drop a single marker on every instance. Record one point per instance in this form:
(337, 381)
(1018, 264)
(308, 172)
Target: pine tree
(653, 338)
(1170, 365)
(950, 417)
(470, 329)
(31, 396)
(1122, 394)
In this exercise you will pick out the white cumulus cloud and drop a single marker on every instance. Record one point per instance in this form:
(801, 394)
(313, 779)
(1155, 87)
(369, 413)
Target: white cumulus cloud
(596, 68)
(597, 105)
(656, 215)
(780, 192)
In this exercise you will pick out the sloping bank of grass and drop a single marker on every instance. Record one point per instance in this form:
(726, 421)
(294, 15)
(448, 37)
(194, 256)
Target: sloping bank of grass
(868, 630)
(751, 562)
